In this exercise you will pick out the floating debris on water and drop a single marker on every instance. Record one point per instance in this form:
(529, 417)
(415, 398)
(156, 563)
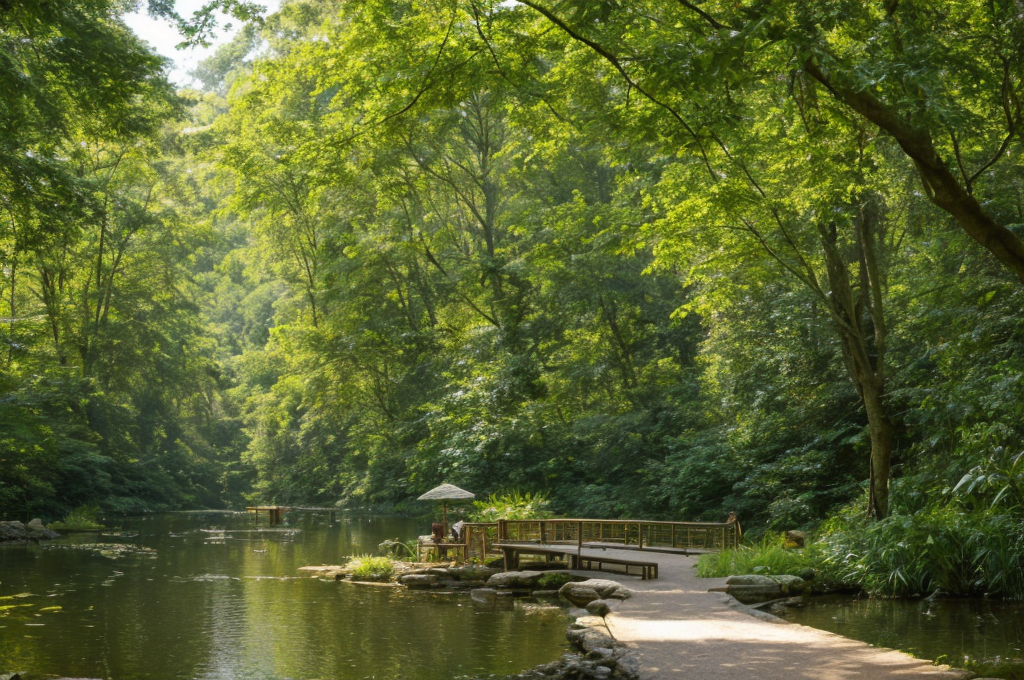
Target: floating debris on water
(110, 550)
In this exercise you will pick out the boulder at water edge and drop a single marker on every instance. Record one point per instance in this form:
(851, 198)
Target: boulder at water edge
(526, 580)
(583, 593)
(753, 588)
(418, 581)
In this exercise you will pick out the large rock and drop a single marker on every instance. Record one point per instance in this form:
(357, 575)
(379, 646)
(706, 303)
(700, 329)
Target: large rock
(753, 588)
(588, 639)
(795, 539)
(472, 572)
(583, 593)
(418, 581)
(12, 531)
(526, 580)
(36, 530)
(751, 580)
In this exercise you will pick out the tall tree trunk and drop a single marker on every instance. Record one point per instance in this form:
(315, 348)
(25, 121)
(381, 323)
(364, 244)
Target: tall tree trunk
(881, 431)
(860, 322)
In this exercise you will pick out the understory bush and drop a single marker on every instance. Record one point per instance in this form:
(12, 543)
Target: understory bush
(82, 519)
(944, 550)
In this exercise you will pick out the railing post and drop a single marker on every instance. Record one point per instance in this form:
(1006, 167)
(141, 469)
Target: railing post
(502, 531)
(579, 541)
(542, 532)
(673, 536)
(639, 536)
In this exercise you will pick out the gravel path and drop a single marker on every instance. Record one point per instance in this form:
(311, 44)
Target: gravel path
(680, 630)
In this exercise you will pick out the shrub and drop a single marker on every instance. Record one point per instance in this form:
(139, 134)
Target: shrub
(511, 505)
(944, 549)
(82, 519)
(371, 568)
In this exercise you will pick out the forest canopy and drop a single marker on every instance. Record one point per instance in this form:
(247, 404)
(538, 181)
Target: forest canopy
(657, 259)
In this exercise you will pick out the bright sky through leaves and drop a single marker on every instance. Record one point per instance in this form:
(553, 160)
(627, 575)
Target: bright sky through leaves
(164, 36)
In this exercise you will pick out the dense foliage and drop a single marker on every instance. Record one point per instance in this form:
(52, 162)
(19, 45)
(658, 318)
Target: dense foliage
(660, 259)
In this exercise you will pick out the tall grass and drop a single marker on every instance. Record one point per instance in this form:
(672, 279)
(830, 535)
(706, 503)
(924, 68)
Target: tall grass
(944, 550)
(768, 557)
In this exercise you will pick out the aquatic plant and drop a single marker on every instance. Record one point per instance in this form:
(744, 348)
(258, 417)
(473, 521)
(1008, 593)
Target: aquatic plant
(371, 568)
(399, 550)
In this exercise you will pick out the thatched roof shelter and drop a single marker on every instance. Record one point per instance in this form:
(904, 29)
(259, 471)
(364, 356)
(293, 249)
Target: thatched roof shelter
(447, 492)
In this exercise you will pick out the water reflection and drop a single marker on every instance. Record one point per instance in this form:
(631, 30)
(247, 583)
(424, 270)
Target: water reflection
(221, 601)
(958, 631)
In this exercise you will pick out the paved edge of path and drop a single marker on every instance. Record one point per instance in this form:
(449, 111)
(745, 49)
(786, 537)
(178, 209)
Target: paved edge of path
(680, 630)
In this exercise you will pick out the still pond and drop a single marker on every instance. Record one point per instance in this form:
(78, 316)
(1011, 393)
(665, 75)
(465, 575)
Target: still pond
(218, 600)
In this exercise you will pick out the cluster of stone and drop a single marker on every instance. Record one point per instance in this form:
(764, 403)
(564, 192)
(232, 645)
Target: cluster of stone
(447, 578)
(600, 656)
(33, 531)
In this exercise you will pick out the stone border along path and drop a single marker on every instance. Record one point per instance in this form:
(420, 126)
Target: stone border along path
(677, 629)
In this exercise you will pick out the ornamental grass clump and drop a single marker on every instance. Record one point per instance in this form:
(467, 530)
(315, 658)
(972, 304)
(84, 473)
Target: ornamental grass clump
(768, 557)
(371, 568)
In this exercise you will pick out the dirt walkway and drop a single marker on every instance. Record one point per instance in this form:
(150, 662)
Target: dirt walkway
(681, 631)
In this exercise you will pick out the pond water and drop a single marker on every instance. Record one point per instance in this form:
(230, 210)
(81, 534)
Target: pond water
(982, 635)
(231, 604)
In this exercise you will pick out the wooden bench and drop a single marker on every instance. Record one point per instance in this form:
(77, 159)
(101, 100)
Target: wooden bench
(575, 559)
(512, 551)
(648, 570)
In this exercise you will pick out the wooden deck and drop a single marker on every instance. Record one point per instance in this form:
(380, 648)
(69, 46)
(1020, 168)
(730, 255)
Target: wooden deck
(576, 559)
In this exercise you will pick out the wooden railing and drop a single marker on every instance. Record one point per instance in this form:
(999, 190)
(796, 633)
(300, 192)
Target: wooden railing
(629, 534)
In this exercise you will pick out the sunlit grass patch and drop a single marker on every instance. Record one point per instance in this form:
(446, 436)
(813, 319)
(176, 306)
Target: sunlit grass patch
(767, 557)
(371, 568)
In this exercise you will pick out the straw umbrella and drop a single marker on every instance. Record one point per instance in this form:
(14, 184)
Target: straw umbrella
(445, 493)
